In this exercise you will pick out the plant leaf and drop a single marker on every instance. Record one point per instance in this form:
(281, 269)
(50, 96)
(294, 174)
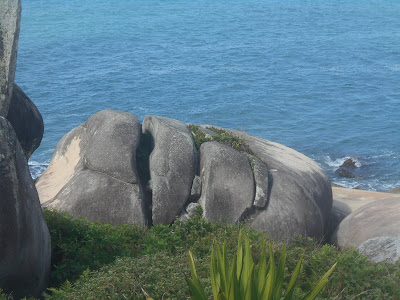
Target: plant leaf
(280, 274)
(293, 279)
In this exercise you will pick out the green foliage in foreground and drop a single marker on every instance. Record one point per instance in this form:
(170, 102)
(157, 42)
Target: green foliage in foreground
(117, 262)
(245, 280)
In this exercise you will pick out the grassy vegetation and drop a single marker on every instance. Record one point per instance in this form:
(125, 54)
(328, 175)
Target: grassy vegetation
(221, 136)
(97, 261)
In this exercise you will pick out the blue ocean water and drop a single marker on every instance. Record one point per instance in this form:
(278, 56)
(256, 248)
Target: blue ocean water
(322, 77)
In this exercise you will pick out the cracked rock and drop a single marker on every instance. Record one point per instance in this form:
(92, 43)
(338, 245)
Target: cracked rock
(172, 167)
(93, 172)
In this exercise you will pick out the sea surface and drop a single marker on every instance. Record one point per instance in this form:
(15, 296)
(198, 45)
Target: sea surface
(322, 77)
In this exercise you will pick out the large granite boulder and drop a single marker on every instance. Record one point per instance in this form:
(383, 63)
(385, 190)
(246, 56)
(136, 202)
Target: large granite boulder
(10, 19)
(93, 171)
(382, 249)
(26, 120)
(376, 219)
(154, 175)
(299, 192)
(24, 237)
(346, 201)
(172, 164)
(227, 183)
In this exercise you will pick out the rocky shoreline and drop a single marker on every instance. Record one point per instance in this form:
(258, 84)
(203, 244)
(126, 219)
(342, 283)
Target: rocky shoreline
(115, 170)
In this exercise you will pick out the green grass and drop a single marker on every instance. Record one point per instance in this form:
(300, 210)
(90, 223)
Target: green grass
(221, 136)
(119, 262)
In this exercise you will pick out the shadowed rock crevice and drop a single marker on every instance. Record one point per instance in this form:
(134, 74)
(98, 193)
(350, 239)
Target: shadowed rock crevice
(143, 152)
(26, 121)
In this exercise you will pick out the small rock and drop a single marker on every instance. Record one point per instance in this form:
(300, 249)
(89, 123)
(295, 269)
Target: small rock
(349, 163)
(382, 249)
(190, 211)
(346, 169)
(195, 192)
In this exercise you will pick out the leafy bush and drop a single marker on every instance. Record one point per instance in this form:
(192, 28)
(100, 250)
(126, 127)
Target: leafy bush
(78, 244)
(116, 262)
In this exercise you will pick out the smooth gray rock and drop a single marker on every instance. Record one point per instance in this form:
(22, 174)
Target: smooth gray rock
(172, 166)
(195, 192)
(90, 194)
(111, 140)
(190, 211)
(300, 193)
(10, 19)
(382, 249)
(376, 219)
(227, 183)
(25, 247)
(340, 210)
(260, 172)
(26, 120)
(93, 171)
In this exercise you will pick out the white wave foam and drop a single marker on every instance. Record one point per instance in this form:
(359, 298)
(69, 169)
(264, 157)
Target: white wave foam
(334, 164)
(37, 168)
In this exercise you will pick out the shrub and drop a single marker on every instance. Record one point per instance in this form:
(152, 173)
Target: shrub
(245, 280)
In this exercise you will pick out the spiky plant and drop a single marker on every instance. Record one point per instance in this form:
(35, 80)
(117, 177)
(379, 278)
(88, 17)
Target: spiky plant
(245, 280)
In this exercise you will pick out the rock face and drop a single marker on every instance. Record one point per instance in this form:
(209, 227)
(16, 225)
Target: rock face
(347, 169)
(10, 19)
(26, 121)
(300, 194)
(340, 210)
(93, 171)
(261, 179)
(172, 166)
(377, 219)
(24, 238)
(109, 170)
(382, 249)
(227, 183)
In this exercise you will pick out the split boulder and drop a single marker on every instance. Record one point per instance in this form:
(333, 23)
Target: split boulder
(172, 164)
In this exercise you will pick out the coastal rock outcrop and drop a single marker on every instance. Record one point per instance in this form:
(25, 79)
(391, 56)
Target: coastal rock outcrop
(26, 121)
(10, 19)
(172, 166)
(93, 171)
(24, 237)
(376, 219)
(232, 176)
(347, 169)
